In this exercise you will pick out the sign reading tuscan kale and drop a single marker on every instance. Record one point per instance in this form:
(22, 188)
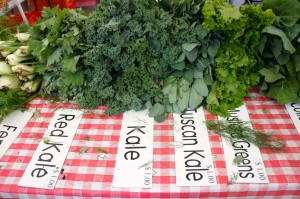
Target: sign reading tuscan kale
(135, 151)
(250, 167)
(294, 111)
(11, 127)
(47, 161)
(193, 159)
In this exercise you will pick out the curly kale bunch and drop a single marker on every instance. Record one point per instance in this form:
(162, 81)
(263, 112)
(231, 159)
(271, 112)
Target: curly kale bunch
(127, 61)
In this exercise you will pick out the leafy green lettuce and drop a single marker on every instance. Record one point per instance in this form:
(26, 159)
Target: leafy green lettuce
(236, 68)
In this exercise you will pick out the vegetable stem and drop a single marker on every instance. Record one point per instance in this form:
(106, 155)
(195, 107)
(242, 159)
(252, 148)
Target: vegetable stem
(242, 131)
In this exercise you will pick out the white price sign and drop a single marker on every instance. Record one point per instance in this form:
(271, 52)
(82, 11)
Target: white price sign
(11, 127)
(44, 167)
(193, 159)
(294, 112)
(135, 151)
(250, 169)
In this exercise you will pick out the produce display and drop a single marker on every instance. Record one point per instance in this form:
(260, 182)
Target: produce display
(19, 81)
(167, 56)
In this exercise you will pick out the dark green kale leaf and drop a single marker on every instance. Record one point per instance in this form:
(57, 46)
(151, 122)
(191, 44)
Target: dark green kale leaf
(193, 52)
(281, 82)
(287, 12)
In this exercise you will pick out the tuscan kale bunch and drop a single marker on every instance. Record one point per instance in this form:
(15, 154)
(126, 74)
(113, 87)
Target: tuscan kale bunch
(190, 82)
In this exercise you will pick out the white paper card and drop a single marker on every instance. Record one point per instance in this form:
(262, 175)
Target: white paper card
(294, 111)
(11, 126)
(135, 151)
(44, 167)
(193, 159)
(251, 169)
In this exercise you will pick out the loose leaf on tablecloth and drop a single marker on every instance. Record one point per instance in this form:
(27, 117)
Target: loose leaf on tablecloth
(99, 150)
(238, 160)
(87, 138)
(83, 149)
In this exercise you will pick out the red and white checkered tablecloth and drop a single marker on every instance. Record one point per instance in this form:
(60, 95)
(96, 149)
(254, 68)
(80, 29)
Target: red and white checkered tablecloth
(90, 174)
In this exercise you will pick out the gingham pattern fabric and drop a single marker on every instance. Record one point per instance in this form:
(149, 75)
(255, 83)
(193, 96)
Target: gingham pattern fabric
(90, 174)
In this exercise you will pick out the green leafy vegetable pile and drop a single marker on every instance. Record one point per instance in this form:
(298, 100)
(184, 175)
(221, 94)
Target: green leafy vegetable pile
(57, 43)
(236, 68)
(189, 83)
(130, 56)
(168, 55)
(280, 50)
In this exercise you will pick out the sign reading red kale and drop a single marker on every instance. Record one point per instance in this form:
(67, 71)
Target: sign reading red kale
(44, 168)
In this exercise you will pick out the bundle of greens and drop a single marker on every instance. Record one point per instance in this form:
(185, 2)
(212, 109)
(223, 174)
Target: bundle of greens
(236, 68)
(280, 51)
(167, 56)
(188, 85)
(147, 55)
(57, 43)
(127, 62)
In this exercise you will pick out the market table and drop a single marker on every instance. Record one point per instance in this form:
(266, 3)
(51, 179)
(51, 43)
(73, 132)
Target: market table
(90, 173)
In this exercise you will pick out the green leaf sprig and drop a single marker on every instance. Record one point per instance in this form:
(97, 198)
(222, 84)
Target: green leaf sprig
(242, 131)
